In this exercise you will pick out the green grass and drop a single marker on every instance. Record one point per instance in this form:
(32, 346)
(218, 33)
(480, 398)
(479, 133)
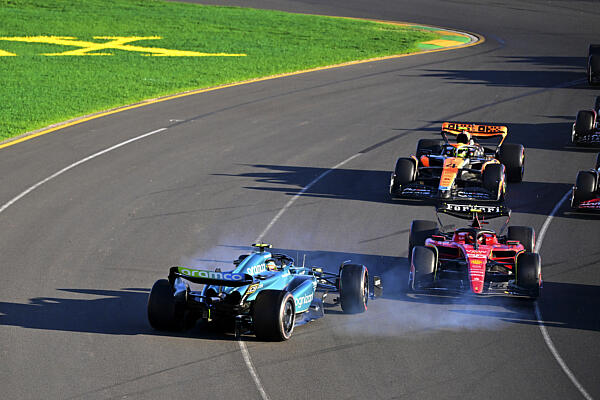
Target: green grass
(39, 90)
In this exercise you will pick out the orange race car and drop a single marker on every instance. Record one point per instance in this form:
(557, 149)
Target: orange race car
(464, 170)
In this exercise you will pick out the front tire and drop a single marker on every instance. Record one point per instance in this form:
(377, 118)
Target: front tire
(584, 123)
(164, 314)
(404, 173)
(585, 187)
(529, 272)
(594, 69)
(512, 155)
(354, 288)
(493, 180)
(423, 267)
(274, 315)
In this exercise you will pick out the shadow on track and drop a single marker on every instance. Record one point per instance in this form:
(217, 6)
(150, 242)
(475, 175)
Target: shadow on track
(372, 186)
(350, 184)
(123, 312)
(552, 72)
(114, 312)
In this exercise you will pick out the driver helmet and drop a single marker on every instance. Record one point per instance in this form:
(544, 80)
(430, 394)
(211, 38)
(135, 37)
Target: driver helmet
(463, 138)
(270, 264)
(462, 152)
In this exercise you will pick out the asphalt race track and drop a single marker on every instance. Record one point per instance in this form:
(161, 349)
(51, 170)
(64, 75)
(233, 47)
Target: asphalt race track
(81, 250)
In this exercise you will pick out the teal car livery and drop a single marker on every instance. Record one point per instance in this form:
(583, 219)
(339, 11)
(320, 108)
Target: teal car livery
(266, 295)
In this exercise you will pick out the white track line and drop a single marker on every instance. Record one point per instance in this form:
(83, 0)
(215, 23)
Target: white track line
(538, 314)
(300, 193)
(243, 347)
(75, 164)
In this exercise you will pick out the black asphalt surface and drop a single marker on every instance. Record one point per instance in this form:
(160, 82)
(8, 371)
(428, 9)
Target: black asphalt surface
(81, 251)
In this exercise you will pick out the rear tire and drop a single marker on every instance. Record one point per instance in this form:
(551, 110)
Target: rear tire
(274, 315)
(584, 123)
(492, 178)
(164, 314)
(585, 187)
(424, 262)
(420, 230)
(529, 272)
(512, 155)
(404, 173)
(429, 146)
(354, 288)
(524, 235)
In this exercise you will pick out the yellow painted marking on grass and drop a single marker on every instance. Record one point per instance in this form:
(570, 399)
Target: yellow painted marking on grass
(76, 121)
(442, 42)
(114, 42)
(6, 54)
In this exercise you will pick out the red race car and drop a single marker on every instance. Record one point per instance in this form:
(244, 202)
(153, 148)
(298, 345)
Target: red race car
(474, 260)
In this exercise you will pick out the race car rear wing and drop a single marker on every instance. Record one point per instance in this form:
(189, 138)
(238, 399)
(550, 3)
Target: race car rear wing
(482, 131)
(469, 211)
(229, 279)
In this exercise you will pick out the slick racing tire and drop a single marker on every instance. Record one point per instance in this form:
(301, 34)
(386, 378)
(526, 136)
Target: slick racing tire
(529, 272)
(524, 235)
(584, 123)
(274, 315)
(404, 173)
(492, 178)
(512, 155)
(420, 230)
(585, 186)
(354, 288)
(594, 69)
(424, 263)
(164, 314)
(429, 146)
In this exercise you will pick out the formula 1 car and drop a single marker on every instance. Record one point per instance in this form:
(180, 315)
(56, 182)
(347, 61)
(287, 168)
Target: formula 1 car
(266, 294)
(586, 129)
(465, 170)
(474, 260)
(586, 191)
(593, 64)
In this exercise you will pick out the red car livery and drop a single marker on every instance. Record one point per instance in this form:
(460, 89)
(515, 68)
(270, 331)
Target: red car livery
(474, 259)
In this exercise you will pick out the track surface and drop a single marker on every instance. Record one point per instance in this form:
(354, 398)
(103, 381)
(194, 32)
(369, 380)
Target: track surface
(81, 252)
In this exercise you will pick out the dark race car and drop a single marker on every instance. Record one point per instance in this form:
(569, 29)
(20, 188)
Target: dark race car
(474, 260)
(266, 295)
(465, 170)
(586, 191)
(586, 129)
(593, 64)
